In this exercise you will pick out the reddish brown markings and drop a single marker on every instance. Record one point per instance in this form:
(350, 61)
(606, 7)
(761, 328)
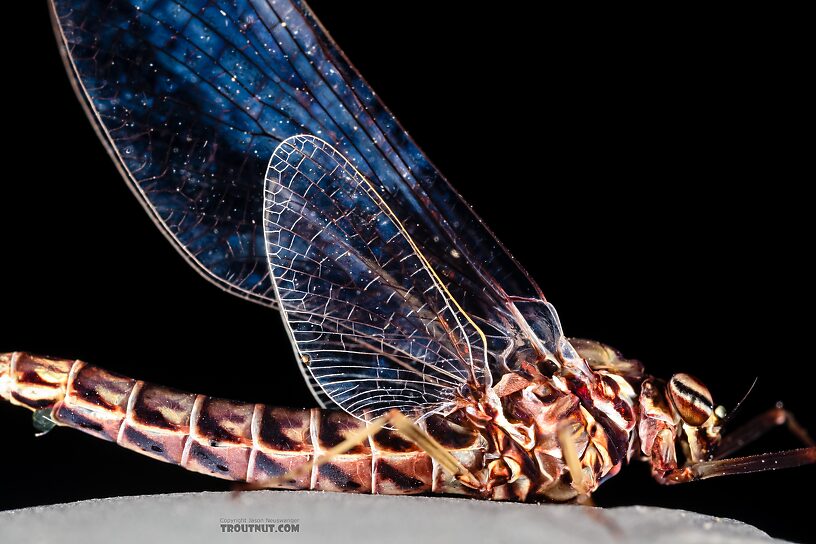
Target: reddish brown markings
(392, 441)
(269, 467)
(547, 394)
(32, 377)
(279, 425)
(163, 408)
(213, 419)
(97, 387)
(76, 419)
(34, 404)
(400, 479)
(449, 434)
(59, 368)
(338, 477)
(333, 427)
(163, 447)
(204, 460)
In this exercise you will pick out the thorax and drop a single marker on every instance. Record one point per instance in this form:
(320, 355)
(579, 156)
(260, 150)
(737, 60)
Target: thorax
(525, 416)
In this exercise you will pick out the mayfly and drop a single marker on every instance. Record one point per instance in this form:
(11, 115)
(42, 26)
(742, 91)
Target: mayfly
(437, 362)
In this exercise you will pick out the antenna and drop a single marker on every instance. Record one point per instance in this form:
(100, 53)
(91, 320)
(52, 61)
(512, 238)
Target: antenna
(728, 417)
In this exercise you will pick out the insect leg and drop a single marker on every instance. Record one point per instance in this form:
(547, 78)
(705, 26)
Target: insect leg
(758, 426)
(433, 448)
(570, 454)
(405, 426)
(740, 465)
(351, 441)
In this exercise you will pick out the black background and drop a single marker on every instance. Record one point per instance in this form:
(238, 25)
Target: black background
(657, 200)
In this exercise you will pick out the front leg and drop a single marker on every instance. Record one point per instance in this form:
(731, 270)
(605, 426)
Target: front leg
(760, 425)
(666, 471)
(739, 465)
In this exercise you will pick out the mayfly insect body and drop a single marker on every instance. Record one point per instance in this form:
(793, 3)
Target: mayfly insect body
(438, 364)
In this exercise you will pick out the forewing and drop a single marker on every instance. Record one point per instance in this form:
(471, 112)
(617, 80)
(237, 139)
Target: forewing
(192, 97)
(368, 315)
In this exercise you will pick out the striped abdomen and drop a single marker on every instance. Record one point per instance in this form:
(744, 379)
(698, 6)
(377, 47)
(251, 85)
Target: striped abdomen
(230, 439)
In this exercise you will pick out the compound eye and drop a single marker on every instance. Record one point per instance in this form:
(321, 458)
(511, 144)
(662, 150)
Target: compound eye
(691, 399)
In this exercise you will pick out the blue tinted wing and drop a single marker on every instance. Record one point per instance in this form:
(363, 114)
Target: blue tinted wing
(193, 96)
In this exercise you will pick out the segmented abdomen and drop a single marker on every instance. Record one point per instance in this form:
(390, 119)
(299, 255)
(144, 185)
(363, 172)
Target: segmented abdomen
(229, 439)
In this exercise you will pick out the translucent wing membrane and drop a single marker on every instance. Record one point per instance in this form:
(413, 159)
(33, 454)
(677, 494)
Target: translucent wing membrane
(192, 97)
(375, 324)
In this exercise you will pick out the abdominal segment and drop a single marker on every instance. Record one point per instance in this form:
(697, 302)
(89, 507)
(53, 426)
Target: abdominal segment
(254, 443)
